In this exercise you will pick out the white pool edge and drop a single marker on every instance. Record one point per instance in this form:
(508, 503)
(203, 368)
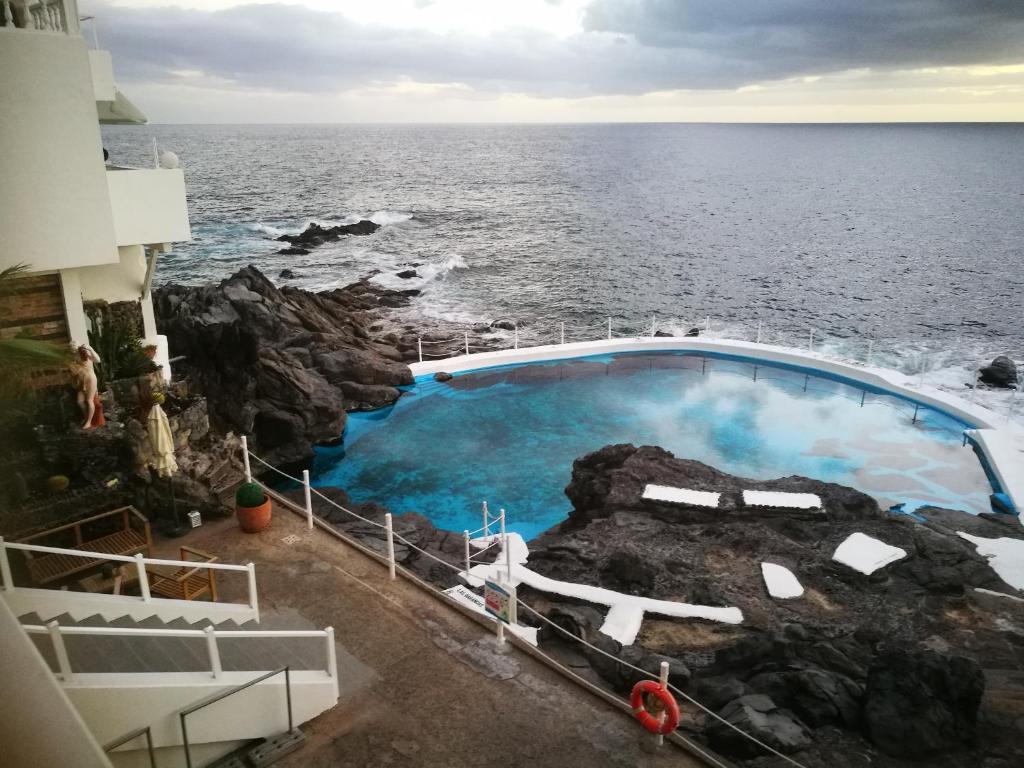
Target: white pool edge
(1002, 445)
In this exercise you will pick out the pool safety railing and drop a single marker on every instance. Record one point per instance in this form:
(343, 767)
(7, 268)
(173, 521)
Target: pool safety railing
(848, 349)
(461, 571)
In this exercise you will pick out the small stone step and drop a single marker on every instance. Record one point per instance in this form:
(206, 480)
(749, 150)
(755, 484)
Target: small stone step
(276, 747)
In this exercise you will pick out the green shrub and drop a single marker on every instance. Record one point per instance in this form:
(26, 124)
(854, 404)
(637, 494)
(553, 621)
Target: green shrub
(249, 495)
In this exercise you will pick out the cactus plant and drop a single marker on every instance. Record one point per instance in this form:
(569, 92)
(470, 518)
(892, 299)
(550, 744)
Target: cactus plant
(249, 495)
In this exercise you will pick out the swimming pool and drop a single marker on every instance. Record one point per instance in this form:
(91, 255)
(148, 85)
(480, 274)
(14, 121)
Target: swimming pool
(509, 435)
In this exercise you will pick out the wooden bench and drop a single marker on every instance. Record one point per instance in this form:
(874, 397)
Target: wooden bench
(184, 583)
(122, 531)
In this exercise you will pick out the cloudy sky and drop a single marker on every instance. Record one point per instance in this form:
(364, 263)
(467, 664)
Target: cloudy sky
(188, 61)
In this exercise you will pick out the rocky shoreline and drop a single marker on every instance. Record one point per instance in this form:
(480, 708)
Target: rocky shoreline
(911, 663)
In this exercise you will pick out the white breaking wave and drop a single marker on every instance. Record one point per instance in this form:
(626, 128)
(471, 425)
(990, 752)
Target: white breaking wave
(387, 218)
(430, 272)
(268, 229)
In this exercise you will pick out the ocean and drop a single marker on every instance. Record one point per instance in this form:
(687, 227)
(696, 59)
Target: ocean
(907, 236)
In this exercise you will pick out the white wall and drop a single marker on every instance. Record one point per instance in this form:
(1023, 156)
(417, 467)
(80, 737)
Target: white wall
(102, 68)
(38, 724)
(54, 204)
(148, 205)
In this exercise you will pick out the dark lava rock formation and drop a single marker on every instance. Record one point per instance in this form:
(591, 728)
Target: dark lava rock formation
(315, 235)
(911, 663)
(281, 364)
(1001, 372)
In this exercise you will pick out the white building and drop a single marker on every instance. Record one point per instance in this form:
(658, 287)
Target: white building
(88, 231)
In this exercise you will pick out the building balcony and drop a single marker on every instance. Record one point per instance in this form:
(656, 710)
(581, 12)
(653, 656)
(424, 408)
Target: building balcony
(149, 205)
(40, 15)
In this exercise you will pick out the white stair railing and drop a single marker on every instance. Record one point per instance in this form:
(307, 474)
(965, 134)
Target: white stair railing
(138, 561)
(212, 635)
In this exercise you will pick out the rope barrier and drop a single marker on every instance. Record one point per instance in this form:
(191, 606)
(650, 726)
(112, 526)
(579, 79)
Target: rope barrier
(440, 341)
(654, 676)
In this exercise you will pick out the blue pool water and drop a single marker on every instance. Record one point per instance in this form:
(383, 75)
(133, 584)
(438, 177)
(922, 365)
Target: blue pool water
(510, 435)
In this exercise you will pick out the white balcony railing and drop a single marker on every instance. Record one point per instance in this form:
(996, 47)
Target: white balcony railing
(41, 15)
(149, 205)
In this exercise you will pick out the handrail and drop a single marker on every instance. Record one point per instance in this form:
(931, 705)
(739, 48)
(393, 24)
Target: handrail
(39, 629)
(111, 746)
(121, 558)
(230, 692)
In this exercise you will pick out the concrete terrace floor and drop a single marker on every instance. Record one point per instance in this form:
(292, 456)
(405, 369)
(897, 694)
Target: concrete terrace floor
(421, 684)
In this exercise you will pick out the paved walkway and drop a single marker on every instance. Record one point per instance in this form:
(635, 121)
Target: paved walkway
(420, 683)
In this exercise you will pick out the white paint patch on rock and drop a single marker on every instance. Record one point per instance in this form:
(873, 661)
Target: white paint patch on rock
(866, 554)
(681, 495)
(1005, 555)
(625, 616)
(781, 499)
(780, 581)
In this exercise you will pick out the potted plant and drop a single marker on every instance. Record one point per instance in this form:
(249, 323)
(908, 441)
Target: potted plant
(252, 508)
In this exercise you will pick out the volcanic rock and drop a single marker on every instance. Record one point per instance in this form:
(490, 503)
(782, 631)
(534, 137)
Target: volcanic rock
(407, 274)
(1001, 372)
(503, 325)
(273, 362)
(293, 251)
(315, 235)
(919, 704)
(757, 715)
(287, 274)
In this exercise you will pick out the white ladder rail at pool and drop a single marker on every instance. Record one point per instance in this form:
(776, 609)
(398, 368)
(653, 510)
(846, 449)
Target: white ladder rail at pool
(626, 612)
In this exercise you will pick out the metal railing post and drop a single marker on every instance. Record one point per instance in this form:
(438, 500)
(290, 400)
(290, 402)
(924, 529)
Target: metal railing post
(515, 331)
(465, 541)
(213, 651)
(467, 342)
(663, 679)
(562, 338)
(140, 567)
(5, 567)
(654, 324)
(245, 459)
(871, 344)
(60, 650)
(419, 347)
(609, 329)
(504, 544)
(309, 500)
(486, 515)
(758, 331)
(391, 544)
(253, 599)
(810, 341)
(707, 323)
(332, 658)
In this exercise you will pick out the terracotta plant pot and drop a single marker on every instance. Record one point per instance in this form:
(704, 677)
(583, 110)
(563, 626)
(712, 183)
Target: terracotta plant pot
(253, 519)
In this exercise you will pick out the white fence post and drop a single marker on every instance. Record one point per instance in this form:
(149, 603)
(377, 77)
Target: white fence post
(504, 544)
(391, 544)
(871, 344)
(563, 334)
(254, 602)
(486, 515)
(654, 324)
(810, 341)
(758, 331)
(465, 540)
(419, 347)
(663, 679)
(309, 500)
(140, 566)
(467, 342)
(5, 567)
(59, 650)
(213, 651)
(515, 331)
(707, 323)
(245, 459)
(332, 658)
(609, 329)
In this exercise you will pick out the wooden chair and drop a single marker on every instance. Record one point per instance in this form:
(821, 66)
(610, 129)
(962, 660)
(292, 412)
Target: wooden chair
(122, 531)
(184, 583)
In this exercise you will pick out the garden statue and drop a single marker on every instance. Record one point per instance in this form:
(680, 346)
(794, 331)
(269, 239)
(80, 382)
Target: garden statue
(88, 396)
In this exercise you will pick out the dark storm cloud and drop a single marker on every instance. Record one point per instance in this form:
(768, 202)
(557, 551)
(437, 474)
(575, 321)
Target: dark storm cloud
(629, 46)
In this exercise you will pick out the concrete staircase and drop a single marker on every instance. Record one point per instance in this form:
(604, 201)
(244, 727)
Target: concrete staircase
(122, 654)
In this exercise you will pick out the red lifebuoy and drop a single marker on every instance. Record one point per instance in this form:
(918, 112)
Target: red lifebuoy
(654, 723)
